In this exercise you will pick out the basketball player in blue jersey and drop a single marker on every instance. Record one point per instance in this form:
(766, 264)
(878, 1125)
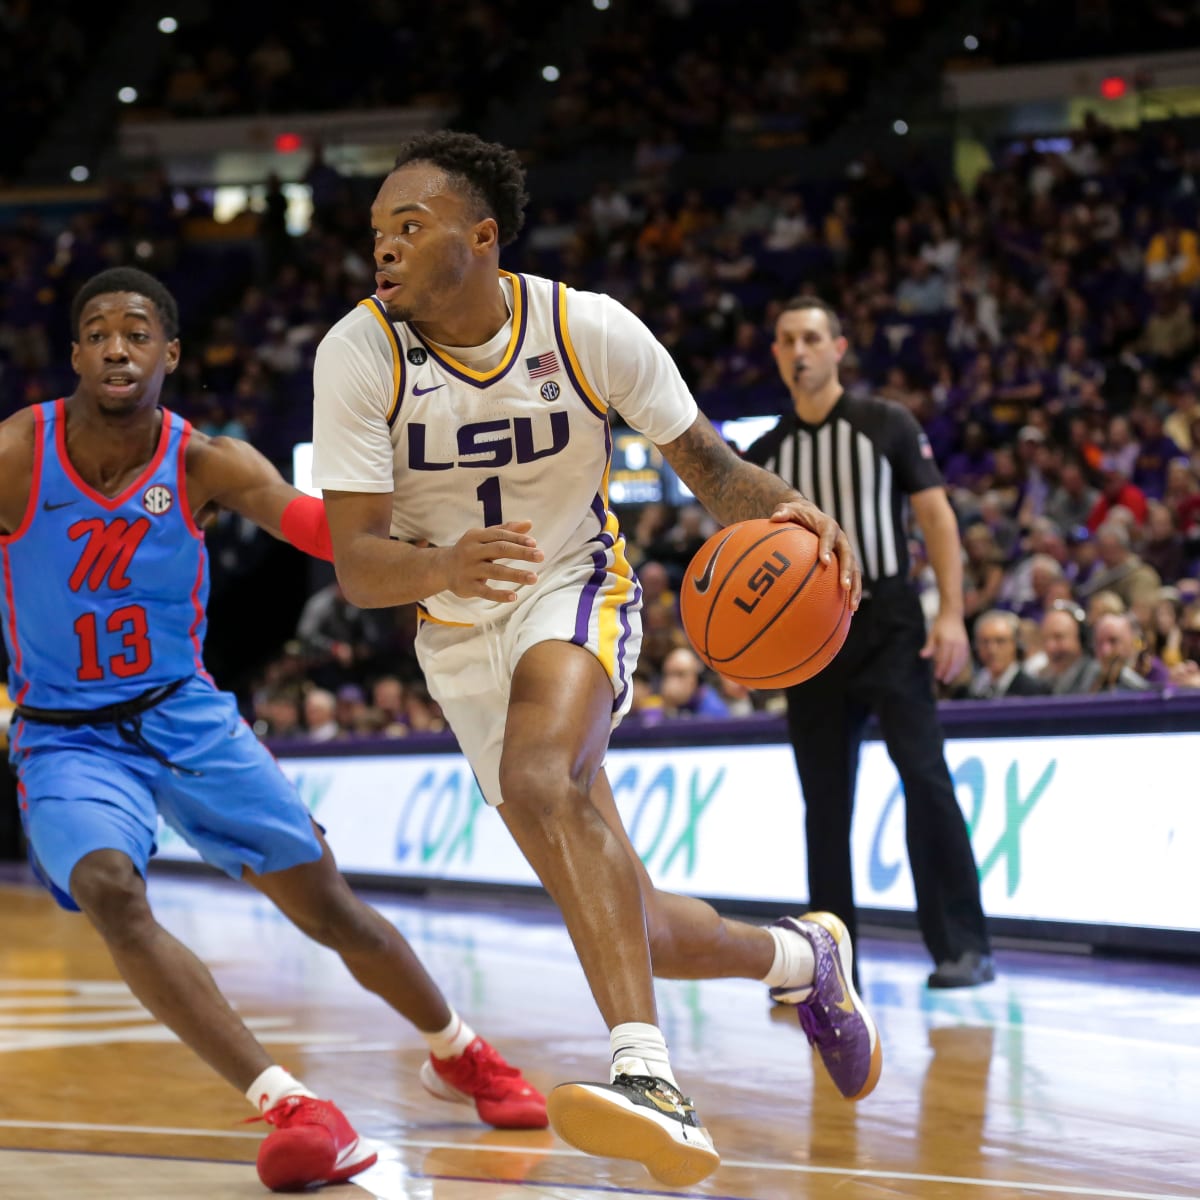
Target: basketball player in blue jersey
(462, 441)
(102, 591)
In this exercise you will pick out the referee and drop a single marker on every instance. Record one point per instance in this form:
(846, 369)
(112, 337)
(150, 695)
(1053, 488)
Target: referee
(864, 461)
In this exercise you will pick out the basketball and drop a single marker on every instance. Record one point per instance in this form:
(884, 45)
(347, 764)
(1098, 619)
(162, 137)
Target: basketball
(761, 608)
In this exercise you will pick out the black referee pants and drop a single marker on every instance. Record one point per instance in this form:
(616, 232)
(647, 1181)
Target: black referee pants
(11, 844)
(880, 671)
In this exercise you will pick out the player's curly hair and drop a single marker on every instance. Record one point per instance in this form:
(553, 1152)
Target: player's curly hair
(492, 174)
(128, 279)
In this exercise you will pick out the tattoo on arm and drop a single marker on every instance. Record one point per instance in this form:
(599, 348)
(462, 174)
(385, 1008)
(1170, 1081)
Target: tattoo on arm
(728, 486)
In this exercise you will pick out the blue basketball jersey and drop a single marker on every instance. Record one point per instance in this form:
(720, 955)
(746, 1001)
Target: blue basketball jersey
(102, 598)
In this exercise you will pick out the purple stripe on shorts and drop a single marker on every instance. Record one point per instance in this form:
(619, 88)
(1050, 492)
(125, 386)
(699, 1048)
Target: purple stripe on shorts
(583, 614)
(626, 609)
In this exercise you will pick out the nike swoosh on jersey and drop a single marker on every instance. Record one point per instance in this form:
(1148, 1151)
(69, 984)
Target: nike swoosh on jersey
(704, 582)
(48, 507)
(418, 390)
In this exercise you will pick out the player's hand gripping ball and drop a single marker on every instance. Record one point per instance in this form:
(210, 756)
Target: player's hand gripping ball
(761, 608)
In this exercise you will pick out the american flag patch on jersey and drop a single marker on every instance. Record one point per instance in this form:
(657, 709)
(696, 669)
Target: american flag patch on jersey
(926, 448)
(543, 364)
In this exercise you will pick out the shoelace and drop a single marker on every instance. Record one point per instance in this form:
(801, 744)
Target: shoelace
(283, 1114)
(817, 1028)
(485, 1072)
(651, 1083)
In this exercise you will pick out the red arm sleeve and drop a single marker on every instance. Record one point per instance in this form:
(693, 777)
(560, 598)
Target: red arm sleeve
(305, 526)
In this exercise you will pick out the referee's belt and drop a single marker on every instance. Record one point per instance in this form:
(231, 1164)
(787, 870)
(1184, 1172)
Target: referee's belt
(126, 716)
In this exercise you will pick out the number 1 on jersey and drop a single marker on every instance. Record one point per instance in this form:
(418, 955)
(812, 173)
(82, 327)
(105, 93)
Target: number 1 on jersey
(488, 494)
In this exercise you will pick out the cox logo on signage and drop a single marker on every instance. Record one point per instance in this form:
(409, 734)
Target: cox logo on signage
(662, 805)
(971, 775)
(437, 820)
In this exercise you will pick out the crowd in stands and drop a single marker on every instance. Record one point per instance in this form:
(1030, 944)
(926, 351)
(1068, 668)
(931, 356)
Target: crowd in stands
(450, 55)
(668, 79)
(42, 55)
(1017, 31)
(656, 79)
(1039, 321)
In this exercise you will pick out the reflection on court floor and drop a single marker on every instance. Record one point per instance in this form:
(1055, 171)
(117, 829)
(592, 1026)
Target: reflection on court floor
(1070, 1076)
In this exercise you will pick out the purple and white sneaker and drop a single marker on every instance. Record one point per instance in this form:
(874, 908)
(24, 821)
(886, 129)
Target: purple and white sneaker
(832, 1016)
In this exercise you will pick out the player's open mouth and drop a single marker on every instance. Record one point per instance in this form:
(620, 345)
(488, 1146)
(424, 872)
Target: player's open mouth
(386, 288)
(119, 385)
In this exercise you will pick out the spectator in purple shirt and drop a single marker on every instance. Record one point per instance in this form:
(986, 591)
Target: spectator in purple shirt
(1121, 447)
(1155, 451)
(1125, 663)
(1017, 388)
(684, 694)
(972, 468)
(1044, 572)
(1077, 368)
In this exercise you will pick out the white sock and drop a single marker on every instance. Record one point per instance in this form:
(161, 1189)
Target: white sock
(451, 1041)
(639, 1049)
(273, 1085)
(794, 964)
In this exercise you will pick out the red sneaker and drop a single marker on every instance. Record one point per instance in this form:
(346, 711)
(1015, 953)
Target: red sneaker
(312, 1144)
(479, 1076)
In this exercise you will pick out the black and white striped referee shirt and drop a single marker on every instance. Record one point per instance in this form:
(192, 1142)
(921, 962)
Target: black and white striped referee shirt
(859, 465)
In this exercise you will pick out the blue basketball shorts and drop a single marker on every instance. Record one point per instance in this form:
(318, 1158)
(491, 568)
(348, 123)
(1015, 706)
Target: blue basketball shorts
(85, 788)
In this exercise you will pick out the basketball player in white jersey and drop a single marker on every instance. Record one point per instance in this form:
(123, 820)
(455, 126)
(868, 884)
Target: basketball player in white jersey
(467, 408)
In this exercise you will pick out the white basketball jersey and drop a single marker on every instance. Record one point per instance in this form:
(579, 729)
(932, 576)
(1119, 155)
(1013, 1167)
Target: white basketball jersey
(521, 434)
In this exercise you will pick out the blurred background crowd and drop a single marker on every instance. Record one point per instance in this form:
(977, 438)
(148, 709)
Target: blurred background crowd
(1033, 303)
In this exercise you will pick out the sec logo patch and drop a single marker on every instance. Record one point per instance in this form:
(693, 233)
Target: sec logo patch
(157, 499)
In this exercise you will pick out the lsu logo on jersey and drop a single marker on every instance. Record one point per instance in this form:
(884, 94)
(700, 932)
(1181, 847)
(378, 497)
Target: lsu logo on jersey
(493, 443)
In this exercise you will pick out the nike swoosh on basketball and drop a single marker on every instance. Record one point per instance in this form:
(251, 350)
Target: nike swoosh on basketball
(702, 584)
(48, 507)
(418, 390)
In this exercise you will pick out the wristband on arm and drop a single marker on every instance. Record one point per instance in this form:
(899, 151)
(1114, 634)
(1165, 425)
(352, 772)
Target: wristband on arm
(305, 526)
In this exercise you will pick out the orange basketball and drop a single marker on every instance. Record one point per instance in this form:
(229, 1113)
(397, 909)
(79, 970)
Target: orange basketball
(761, 608)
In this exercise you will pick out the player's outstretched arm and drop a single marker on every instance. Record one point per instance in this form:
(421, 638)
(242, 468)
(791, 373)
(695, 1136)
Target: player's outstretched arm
(376, 571)
(234, 475)
(733, 489)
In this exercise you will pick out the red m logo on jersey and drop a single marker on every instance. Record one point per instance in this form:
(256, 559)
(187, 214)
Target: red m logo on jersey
(109, 551)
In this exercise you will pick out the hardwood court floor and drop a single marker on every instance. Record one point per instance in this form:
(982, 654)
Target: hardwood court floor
(1067, 1077)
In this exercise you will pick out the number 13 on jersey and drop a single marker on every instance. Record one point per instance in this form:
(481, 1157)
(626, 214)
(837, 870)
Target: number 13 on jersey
(130, 623)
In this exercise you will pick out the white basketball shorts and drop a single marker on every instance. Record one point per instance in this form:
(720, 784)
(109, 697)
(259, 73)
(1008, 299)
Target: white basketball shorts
(592, 600)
